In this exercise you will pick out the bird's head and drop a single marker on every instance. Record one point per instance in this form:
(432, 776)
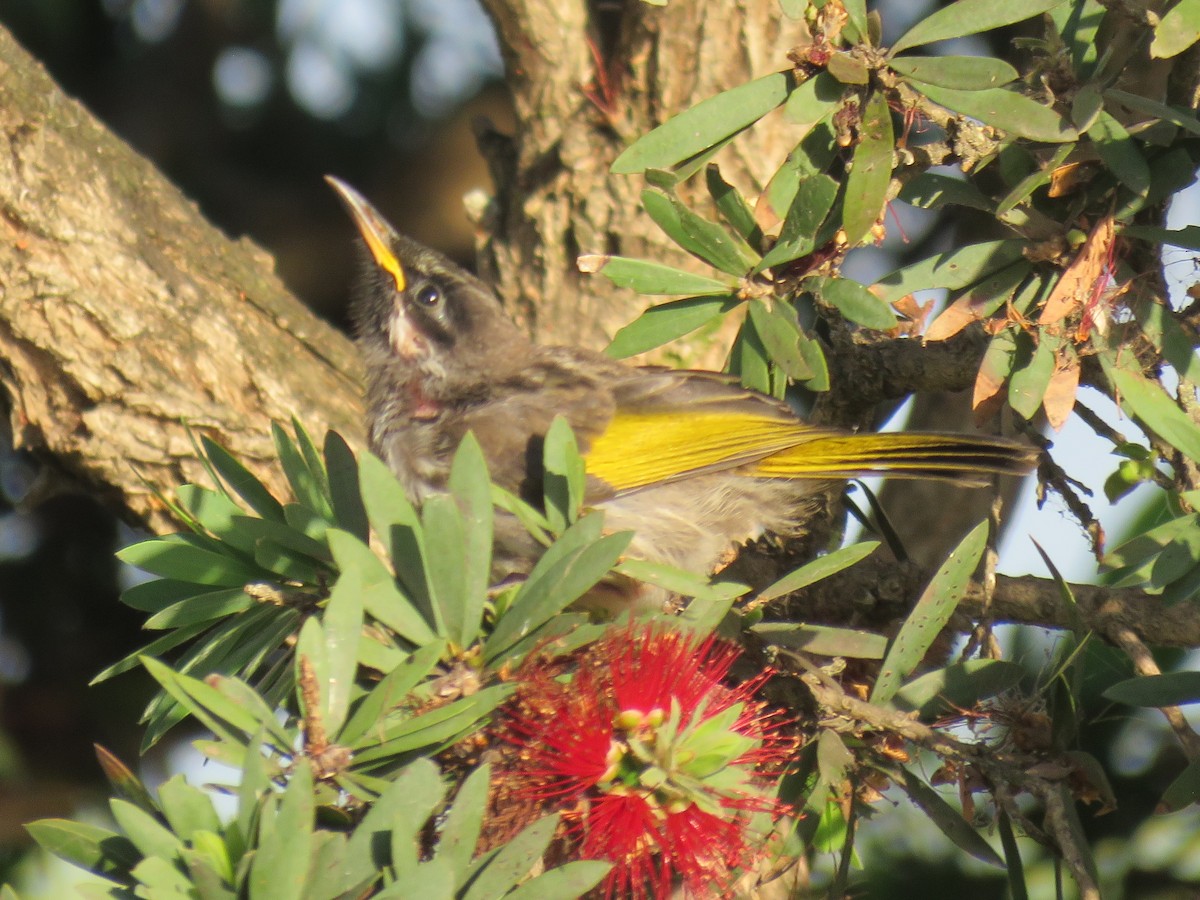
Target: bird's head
(416, 312)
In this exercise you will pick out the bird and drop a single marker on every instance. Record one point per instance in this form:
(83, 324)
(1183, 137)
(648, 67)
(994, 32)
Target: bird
(691, 461)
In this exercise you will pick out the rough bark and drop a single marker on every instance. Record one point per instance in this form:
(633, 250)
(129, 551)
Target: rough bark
(125, 315)
(585, 84)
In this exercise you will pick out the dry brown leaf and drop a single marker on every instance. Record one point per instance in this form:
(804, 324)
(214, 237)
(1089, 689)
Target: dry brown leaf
(915, 315)
(1088, 270)
(1059, 399)
(988, 394)
(1067, 178)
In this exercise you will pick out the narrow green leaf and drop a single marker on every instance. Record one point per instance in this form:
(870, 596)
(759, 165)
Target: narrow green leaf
(815, 99)
(856, 303)
(963, 73)
(555, 589)
(1183, 791)
(652, 278)
(953, 269)
(856, 12)
(813, 155)
(665, 322)
(349, 514)
(932, 190)
(177, 557)
(823, 640)
(471, 488)
(342, 624)
(1012, 857)
(201, 608)
(933, 610)
(98, 850)
(159, 593)
(574, 879)
(732, 206)
(390, 693)
(462, 825)
(801, 229)
(216, 512)
(1172, 689)
(1006, 110)
(949, 820)
(1151, 404)
(1031, 376)
(709, 121)
(280, 867)
(445, 538)
(187, 808)
(871, 172)
(284, 536)
(241, 482)
(707, 241)
(423, 793)
(565, 479)
(780, 333)
(1176, 115)
(1178, 30)
(817, 569)
(1120, 153)
(305, 487)
(958, 686)
(748, 359)
(154, 648)
(513, 861)
(1162, 328)
(382, 601)
(970, 17)
(149, 835)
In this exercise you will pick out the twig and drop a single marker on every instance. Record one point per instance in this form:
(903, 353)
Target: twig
(1144, 664)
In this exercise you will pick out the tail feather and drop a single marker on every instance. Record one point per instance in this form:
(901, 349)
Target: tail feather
(956, 457)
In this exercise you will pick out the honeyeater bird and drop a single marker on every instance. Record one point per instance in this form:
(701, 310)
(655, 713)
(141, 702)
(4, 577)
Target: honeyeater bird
(690, 461)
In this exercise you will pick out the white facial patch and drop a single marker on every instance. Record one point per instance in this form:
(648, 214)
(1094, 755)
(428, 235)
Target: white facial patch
(405, 339)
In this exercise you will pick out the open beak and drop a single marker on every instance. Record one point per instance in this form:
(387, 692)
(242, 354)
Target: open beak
(373, 227)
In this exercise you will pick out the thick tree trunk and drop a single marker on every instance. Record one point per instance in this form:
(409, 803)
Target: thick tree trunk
(585, 83)
(125, 317)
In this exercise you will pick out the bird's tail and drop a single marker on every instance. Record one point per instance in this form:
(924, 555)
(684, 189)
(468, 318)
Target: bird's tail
(967, 459)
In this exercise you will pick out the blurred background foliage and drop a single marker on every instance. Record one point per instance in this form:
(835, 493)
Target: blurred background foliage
(244, 104)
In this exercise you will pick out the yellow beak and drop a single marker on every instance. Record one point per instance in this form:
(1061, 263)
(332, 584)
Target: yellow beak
(373, 227)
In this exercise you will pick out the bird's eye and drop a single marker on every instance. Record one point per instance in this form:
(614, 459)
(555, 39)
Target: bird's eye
(429, 296)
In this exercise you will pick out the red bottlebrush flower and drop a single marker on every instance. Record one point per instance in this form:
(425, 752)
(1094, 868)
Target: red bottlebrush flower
(657, 766)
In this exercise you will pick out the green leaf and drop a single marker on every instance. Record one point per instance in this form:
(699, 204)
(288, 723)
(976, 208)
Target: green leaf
(949, 820)
(159, 593)
(1176, 115)
(1184, 790)
(1034, 180)
(382, 601)
(1031, 377)
(241, 482)
(707, 241)
(471, 488)
(280, 867)
(1178, 30)
(933, 610)
(217, 513)
(445, 538)
(815, 99)
(823, 640)
(565, 479)
(513, 861)
(871, 172)
(181, 557)
(1151, 404)
(438, 726)
(856, 12)
(284, 536)
(548, 591)
(462, 825)
(665, 322)
(1120, 153)
(856, 303)
(801, 229)
(970, 17)
(305, 486)
(390, 693)
(187, 808)
(1005, 110)
(423, 792)
(817, 569)
(98, 850)
(813, 155)
(958, 686)
(963, 73)
(953, 269)
(201, 608)
(732, 206)
(203, 701)
(565, 882)
(1172, 689)
(748, 359)
(149, 835)
(342, 624)
(931, 190)
(1163, 329)
(652, 278)
(1012, 857)
(780, 333)
(349, 513)
(709, 121)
